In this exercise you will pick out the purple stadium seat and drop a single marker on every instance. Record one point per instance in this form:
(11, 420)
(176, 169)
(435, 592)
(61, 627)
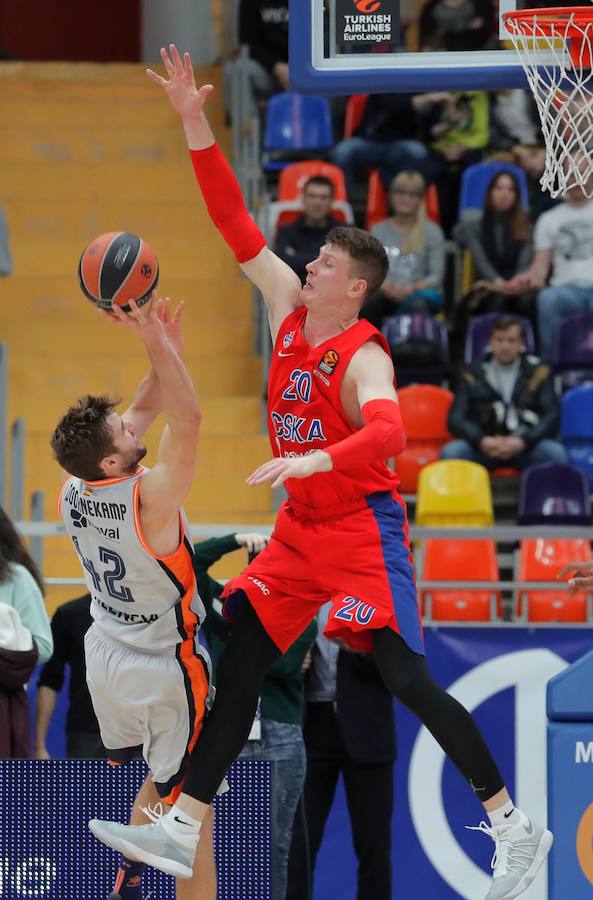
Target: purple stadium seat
(554, 494)
(478, 336)
(572, 356)
(419, 347)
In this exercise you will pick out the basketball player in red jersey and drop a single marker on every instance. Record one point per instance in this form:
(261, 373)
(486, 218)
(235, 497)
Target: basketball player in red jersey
(342, 535)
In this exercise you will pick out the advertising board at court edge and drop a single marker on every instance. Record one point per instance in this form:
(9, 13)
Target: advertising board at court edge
(364, 24)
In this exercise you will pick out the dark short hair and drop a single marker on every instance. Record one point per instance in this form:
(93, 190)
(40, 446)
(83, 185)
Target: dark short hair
(503, 323)
(82, 438)
(320, 180)
(367, 253)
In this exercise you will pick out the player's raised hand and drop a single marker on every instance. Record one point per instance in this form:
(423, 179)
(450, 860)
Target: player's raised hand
(581, 576)
(279, 469)
(171, 319)
(184, 95)
(149, 326)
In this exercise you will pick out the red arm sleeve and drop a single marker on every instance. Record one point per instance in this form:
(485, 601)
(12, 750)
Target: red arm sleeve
(381, 437)
(225, 203)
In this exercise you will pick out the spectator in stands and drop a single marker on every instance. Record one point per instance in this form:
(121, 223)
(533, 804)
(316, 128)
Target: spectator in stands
(514, 120)
(457, 126)
(25, 637)
(350, 731)
(563, 246)
(387, 138)
(276, 734)
(499, 240)
(415, 249)
(456, 24)
(70, 623)
(263, 29)
(505, 411)
(5, 254)
(298, 243)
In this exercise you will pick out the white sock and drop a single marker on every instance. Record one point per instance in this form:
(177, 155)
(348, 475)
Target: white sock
(182, 827)
(506, 815)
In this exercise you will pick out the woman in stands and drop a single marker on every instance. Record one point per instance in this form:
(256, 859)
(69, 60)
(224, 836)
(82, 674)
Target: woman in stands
(499, 239)
(415, 249)
(25, 636)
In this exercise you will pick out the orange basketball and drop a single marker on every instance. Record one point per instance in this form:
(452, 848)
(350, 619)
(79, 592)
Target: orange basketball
(118, 267)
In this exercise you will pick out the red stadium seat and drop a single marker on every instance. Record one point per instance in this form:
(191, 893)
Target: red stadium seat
(541, 560)
(424, 409)
(461, 561)
(355, 106)
(293, 177)
(377, 207)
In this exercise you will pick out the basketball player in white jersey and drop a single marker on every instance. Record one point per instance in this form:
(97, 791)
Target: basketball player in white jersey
(148, 677)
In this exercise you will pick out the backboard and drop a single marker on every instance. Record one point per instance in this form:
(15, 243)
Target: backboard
(374, 46)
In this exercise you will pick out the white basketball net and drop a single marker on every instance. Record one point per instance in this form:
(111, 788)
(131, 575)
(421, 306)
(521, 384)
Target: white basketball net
(562, 84)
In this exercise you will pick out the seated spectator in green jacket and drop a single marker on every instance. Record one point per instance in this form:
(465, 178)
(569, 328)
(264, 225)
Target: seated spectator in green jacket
(277, 733)
(505, 412)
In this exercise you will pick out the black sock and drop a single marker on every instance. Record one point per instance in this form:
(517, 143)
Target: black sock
(128, 883)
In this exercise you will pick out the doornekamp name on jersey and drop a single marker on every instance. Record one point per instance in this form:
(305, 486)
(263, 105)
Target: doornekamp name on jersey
(127, 617)
(97, 508)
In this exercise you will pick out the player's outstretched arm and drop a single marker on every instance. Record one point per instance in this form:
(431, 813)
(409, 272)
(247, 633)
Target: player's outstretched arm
(148, 402)
(279, 285)
(164, 488)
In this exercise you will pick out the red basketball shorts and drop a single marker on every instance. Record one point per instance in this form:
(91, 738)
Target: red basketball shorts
(357, 555)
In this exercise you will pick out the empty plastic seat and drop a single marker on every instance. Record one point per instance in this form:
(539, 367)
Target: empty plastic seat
(448, 560)
(294, 176)
(295, 123)
(577, 428)
(424, 409)
(554, 494)
(452, 493)
(572, 352)
(477, 337)
(475, 181)
(541, 560)
(419, 347)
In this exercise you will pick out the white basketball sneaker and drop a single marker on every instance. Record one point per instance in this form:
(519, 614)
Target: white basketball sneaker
(151, 844)
(520, 850)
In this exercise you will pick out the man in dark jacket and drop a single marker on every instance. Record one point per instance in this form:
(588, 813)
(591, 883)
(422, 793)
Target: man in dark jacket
(263, 29)
(298, 243)
(386, 138)
(505, 412)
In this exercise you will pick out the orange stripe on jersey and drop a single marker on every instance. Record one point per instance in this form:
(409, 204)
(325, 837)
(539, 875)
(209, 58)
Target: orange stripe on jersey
(61, 494)
(105, 482)
(168, 560)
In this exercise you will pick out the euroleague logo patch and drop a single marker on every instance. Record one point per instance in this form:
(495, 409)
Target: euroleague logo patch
(329, 362)
(367, 6)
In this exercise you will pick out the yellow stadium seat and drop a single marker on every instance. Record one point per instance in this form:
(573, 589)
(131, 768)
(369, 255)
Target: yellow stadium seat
(454, 493)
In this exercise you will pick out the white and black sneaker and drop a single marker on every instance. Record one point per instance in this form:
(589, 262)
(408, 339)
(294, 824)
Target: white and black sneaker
(520, 850)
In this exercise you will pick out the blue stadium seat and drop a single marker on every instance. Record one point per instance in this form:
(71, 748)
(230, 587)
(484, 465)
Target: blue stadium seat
(478, 335)
(475, 181)
(554, 494)
(419, 347)
(572, 354)
(295, 123)
(577, 428)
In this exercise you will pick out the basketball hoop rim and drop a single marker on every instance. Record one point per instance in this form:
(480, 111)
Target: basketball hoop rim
(548, 18)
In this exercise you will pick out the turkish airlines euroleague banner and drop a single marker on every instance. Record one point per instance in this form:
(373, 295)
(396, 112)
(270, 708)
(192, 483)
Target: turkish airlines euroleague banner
(365, 25)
